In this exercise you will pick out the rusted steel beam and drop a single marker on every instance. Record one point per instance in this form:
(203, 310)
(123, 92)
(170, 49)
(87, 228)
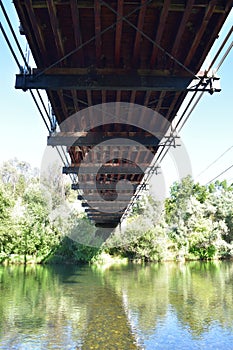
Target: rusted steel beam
(102, 82)
(89, 98)
(81, 4)
(160, 30)
(55, 28)
(226, 9)
(30, 35)
(97, 11)
(182, 27)
(196, 42)
(175, 6)
(104, 95)
(118, 98)
(75, 100)
(147, 98)
(119, 25)
(133, 96)
(62, 102)
(107, 71)
(77, 31)
(160, 101)
(36, 31)
(137, 39)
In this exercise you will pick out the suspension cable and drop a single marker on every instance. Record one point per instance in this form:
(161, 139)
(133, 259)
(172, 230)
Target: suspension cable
(220, 49)
(223, 172)
(13, 33)
(39, 109)
(22, 54)
(10, 47)
(169, 144)
(31, 92)
(18, 64)
(215, 161)
(99, 34)
(190, 112)
(224, 57)
(45, 109)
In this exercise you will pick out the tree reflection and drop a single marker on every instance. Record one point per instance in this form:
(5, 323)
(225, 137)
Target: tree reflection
(62, 307)
(199, 294)
(202, 294)
(145, 291)
(79, 307)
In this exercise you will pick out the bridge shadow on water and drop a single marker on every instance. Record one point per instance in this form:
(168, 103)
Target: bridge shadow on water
(61, 306)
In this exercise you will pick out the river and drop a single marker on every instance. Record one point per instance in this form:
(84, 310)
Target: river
(157, 306)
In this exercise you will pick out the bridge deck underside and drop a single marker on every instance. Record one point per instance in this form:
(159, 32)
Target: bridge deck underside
(117, 51)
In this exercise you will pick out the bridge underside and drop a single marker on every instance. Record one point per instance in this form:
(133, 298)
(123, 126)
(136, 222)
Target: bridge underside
(93, 52)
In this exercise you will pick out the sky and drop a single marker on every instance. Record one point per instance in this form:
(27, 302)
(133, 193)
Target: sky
(206, 135)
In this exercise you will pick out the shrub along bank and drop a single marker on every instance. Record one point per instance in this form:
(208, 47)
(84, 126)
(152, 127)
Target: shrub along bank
(195, 222)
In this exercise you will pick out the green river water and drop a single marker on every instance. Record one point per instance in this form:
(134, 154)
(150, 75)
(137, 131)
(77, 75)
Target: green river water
(159, 306)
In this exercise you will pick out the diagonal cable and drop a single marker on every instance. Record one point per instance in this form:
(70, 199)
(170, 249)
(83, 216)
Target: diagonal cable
(152, 41)
(224, 57)
(91, 39)
(215, 161)
(223, 172)
(220, 49)
(21, 53)
(31, 92)
(14, 35)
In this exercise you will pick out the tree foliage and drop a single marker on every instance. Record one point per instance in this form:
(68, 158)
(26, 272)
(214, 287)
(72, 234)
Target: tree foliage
(196, 223)
(35, 218)
(27, 230)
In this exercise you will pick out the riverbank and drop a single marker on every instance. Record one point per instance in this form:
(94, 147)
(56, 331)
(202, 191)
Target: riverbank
(103, 260)
(194, 223)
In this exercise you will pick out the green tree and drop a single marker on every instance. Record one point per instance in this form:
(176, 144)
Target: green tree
(6, 234)
(200, 218)
(37, 235)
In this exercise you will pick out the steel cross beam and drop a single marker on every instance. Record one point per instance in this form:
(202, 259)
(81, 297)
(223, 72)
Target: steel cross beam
(101, 213)
(96, 187)
(94, 138)
(92, 169)
(123, 81)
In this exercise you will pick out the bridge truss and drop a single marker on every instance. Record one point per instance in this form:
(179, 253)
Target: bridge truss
(89, 53)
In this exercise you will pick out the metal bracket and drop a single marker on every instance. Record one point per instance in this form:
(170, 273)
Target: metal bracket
(170, 140)
(154, 169)
(209, 84)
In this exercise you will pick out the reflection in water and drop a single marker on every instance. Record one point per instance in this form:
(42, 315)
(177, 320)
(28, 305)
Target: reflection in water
(163, 306)
(180, 305)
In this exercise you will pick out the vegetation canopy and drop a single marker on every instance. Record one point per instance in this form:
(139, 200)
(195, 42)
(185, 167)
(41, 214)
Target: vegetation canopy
(195, 222)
